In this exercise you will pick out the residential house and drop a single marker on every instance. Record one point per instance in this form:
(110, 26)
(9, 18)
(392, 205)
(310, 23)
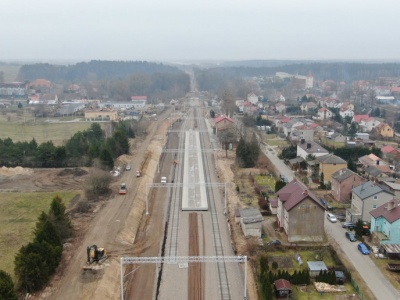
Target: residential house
(385, 222)
(302, 132)
(367, 125)
(249, 108)
(251, 221)
(306, 148)
(358, 118)
(338, 138)
(374, 174)
(365, 198)
(373, 160)
(239, 104)
(346, 112)
(392, 186)
(280, 107)
(343, 181)
(223, 123)
(306, 106)
(324, 114)
(252, 98)
(300, 214)
(385, 130)
(390, 153)
(41, 86)
(288, 127)
(395, 90)
(329, 164)
(348, 106)
(139, 101)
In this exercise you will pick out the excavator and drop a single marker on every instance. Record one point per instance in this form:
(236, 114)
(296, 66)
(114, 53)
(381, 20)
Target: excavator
(95, 255)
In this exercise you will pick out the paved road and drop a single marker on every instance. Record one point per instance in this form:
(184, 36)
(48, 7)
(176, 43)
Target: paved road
(373, 277)
(279, 164)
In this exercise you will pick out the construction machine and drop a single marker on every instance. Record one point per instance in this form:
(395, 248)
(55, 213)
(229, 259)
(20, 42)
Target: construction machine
(95, 255)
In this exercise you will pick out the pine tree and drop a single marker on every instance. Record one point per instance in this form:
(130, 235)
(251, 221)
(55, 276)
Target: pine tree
(7, 289)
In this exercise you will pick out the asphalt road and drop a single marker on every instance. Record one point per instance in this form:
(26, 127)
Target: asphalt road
(279, 164)
(373, 277)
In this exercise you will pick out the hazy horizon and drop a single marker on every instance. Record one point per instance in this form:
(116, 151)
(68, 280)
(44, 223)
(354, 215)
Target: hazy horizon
(187, 31)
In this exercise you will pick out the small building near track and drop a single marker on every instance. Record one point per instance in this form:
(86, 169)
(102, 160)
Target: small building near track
(98, 115)
(251, 222)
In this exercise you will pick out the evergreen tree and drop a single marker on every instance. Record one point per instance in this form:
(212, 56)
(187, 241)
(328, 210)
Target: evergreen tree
(279, 184)
(107, 159)
(7, 289)
(59, 218)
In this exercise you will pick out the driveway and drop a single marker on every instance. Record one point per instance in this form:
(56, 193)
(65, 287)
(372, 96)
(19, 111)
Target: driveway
(373, 277)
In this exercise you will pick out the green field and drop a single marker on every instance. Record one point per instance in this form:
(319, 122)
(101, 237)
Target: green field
(18, 215)
(24, 127)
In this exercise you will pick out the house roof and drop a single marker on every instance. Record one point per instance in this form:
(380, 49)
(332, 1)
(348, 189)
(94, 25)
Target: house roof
(282, 284)
(316, 266)
(371, 159)
(358, 118)
(221, 118)
(250, 215)
(387, 149)
(390, 211)
(322, 109)
(295, 192)
(373, 171)
(138, 97)
(343, 174)
(393, 185)
(331, 159)
(368, 189)
(337, 134)
(395, 89)
(314, 147)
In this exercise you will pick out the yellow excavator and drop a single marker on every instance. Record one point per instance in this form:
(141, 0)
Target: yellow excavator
(95, 255)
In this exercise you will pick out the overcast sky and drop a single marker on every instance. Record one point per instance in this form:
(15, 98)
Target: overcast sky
(181, 30)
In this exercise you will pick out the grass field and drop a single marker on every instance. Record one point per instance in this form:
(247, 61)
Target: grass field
(25, 127)
(18, 215)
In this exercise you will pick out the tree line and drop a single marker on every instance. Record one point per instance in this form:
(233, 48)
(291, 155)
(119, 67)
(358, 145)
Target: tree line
(337, 71)
(82, 149)
(37, 261)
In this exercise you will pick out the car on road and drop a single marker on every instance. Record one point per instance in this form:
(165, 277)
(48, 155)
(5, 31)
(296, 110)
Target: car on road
(349, 225)
(363, 249)
(163, 179)
(331, 217)
(350, 236)
(128, 167)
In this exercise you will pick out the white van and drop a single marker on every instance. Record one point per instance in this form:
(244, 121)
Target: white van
(163, 179)
(331, 218)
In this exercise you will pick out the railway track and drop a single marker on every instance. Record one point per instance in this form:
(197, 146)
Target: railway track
(195, 279)
(225, 293)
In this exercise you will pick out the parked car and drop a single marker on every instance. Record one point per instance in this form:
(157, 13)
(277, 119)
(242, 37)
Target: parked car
(163, 179)
(351, 237)
(275, 242)
(128, 167)
(363, 249)
(331, 217)
(349, 225)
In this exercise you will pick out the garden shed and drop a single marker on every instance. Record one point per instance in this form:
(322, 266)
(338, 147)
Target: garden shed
(282, 288)
(315, 267)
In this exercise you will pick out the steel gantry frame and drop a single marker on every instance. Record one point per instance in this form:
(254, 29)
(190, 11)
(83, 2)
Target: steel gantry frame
(170, 185)
(183, 260)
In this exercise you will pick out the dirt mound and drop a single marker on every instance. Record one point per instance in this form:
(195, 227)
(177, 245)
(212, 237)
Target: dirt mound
(15, 171)
(73, 171)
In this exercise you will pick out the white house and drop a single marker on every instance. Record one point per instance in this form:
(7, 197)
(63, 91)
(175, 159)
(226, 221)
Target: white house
(310, 148)
(345, 112)
(252, 98)
(366, 125)
(324, 114)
